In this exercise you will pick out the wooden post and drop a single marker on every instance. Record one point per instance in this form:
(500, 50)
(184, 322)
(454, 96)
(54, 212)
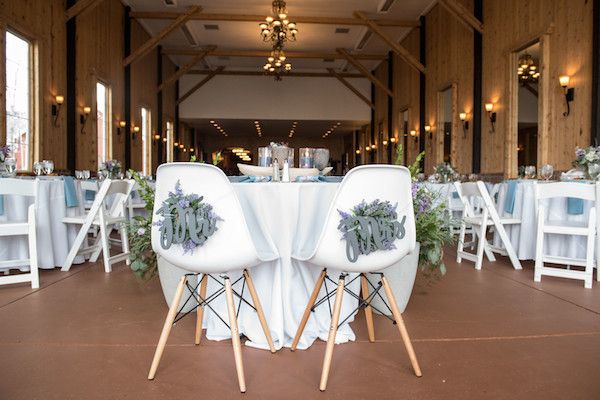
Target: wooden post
(401, 327)
(335, 319)
(309, 306)
(167, 327)
(259, 310)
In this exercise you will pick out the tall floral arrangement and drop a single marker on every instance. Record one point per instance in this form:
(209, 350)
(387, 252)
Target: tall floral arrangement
(445, 171)
(431, 220)
(143, 259)
(584, 157)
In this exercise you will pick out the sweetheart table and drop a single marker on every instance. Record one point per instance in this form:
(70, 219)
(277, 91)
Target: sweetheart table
(292, 216)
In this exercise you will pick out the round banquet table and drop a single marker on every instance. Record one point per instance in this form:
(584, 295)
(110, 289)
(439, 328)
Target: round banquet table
(54, 238)
(292, 215)
(523, 236)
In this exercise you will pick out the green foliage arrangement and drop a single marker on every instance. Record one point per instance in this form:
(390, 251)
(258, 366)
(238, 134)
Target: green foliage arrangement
(432, 221)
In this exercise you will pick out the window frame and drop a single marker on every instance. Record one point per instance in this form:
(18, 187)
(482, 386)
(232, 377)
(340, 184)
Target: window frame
(107, 119)
(146, 138)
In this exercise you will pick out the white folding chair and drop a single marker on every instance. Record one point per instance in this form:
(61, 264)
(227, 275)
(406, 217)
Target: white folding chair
(479, 221)
(106, 220)
(546, 224)
(369, 182)
(27, 188)
(89, 186)
(134, 205)
(453, 209)
(230, 248)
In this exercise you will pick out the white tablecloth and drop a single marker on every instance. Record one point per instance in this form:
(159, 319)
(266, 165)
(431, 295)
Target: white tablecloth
(54, 238)
(444, 192)
(523, 236)
(293, 215)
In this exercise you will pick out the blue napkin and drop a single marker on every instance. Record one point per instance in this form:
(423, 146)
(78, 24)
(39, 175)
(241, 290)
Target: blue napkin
(455, 195)
(574, 206)
(509, 203)
(249, 179)
(1, 204)
(319, 178)
(71, 199)
(90, 195)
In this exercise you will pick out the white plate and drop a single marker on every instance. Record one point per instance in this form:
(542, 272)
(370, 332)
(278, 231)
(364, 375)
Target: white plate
(253, 170)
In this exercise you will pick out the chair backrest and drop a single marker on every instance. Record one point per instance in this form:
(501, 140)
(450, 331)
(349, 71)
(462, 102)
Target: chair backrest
(573, 190)
(368, 182)
(91, 186)
(230, 247)
(120, 189)
(19, 187)
(469, 192)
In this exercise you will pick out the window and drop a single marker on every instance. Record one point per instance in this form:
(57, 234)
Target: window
(19, 98)
(103, 100)
(146, 142)
(169, 141)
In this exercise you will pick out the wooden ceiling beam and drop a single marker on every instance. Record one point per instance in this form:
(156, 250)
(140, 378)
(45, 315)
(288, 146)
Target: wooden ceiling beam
(367, 74)
(184, 70)
(352, 88)
(197, 86)
(462, 14)
(259, 18)
(81, 7)
(291, 74)
(262, 53)
(396, 48)
(155, 40)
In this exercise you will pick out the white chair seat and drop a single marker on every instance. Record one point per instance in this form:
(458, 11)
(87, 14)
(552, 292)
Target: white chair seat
(80, 219)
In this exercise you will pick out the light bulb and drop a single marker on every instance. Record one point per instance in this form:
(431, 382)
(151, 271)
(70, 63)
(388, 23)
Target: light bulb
(292, 25)
(277, 23)
(278, 64)
(59, 99)
(271, 69)
(269, 19)
(564, 80)
(489, 107)
(282, 16)
(87, 110)
(271, 59)
(263, 26)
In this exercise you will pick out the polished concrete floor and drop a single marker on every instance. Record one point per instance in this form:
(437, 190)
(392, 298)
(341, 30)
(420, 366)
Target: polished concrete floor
(489, 334)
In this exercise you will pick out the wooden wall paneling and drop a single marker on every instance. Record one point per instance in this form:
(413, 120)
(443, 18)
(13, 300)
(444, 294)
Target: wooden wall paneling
(143, 91)
(43, 23)
(99, 46)
(158, 153)
(477, 88)
(510, 23)
(595, 134)
(2, 83)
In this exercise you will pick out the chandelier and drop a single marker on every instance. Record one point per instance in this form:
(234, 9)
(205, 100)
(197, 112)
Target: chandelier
(527, 70)
(278, 29)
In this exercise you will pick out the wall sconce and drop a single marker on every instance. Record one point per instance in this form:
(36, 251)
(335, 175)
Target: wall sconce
(134, 131)
(192, 150)
(84, 117)
(569, 92)
(368, 148)
(414, 135)
(428, 130)
(373, 147)
(489, 107)
(58, 102)
(393, 139)
(465, 122)
(385, 142)
(156, 137)
(176, 144)
(357, 151)
(181, 146)
(164, 140)
(185, 150)
(122, 124)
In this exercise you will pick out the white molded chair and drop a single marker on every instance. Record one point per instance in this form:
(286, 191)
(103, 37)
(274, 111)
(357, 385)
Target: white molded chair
(106, 219)
(28, 188)
(230, 248)
(479, 221)
(369, 182)
(547, 191)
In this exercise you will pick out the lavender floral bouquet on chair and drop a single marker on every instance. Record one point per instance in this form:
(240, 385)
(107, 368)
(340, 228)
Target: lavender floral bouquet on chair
(370, 227)
(187, 220)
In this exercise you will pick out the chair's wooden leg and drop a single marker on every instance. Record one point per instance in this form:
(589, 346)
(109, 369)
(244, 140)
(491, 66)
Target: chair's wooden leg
(200, 310)
(167, 327)
(368, 310)
(335, 319)
(235, 336)
(401, 327)
(259, 310)
(311, 303)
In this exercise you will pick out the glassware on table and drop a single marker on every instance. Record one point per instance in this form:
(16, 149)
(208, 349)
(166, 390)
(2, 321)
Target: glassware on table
(546, 172)
(290, 158)
(321, 159)
(48, 166)
(38, 168)
(280, 153)
(120, 175)
(128, 174)
(265, 156)
(102, 175)
(10, 165)
(421, 177)
(86, 174)
(594, 170)
(530, 172)
(473, 178)
(306, 157)
(78, 174)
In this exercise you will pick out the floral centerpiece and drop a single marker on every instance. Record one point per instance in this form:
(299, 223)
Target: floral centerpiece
(445, 171)
(110, 168)
(584, 158)
(431, 220)
(369, 227)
